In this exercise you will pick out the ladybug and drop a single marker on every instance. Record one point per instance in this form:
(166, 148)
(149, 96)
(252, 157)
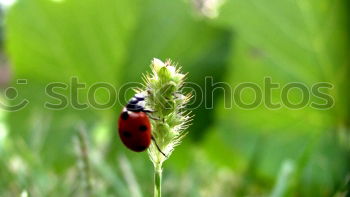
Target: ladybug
(134, 126)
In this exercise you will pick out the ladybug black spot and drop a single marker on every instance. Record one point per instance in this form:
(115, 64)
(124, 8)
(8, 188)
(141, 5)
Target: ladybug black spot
(143, 128)
(126, 134)
(125, 115)
(140, 148)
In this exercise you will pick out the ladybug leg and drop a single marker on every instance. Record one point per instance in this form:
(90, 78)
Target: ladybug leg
(155, 142)
(153, 118)
(148, 111)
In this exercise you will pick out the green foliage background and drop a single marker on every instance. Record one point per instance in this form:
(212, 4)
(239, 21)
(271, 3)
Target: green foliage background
(229, 152)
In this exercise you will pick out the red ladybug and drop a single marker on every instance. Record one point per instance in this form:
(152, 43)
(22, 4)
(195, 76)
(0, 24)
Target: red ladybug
(134, 125)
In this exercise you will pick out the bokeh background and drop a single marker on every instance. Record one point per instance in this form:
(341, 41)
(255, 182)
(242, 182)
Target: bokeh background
(228, 152)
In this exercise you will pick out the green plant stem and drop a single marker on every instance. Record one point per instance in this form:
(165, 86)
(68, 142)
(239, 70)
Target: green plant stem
(158, 180)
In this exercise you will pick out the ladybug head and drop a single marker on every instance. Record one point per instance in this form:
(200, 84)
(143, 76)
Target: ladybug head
(136, 103)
